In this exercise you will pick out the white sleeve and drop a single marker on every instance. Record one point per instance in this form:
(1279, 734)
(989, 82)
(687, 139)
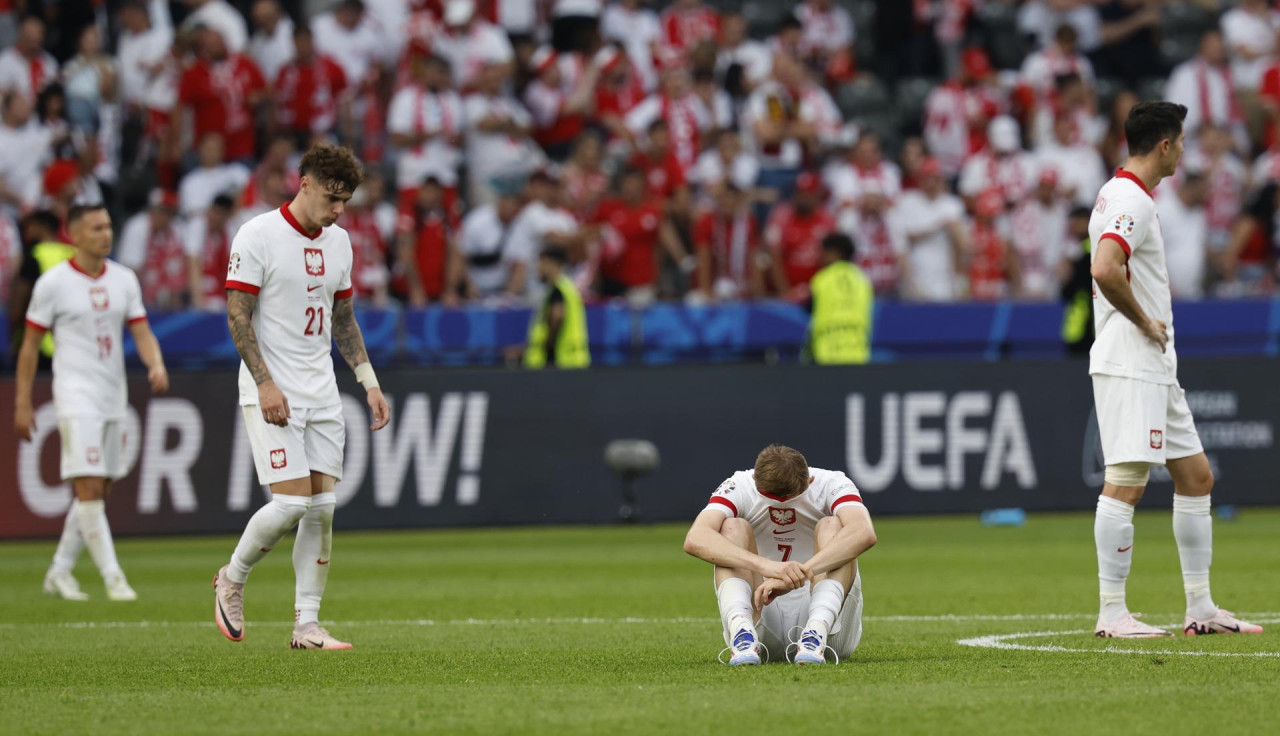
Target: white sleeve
(133, 242)
(345, 288)
(1127, 220)
(42, 310)
(971, 178)
(475, 108)
(400, 113)
(839, 491)
(246, 268)
(134, 309)
(640, 118)
(731, 498)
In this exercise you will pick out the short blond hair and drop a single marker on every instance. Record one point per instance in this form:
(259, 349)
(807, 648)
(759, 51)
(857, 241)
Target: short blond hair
(781, 471)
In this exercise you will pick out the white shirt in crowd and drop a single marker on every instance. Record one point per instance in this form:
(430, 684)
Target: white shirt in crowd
(1241, 28)
(754, 57)
(1039, 236)
(931, 259)
(1205, 91)
(416, 110)
(355, 50)
(1186, 238)
(226, 20)
(272, 51)
(827, 31)
(687, 118)
(531, 228)
(711, 170)
(1013, 174)
(490, 154)
(24, 152)
(467, 53)
(139, 54)
(87, 315)
(792, 521)
(1126, 213)
(638, 31)
(848, 182)
(814, 105)
(199, 188)
(16, 73)
(1081, 171)
(490, 249)
(297, 277)
(1041, 69)
(1038, 18)
(392, 17)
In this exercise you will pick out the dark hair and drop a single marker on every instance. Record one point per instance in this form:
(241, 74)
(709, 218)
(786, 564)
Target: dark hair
(334, 167)
(1066, 33)
(223, 201)
(790, 23)
(1085, 212)
(43, 218)
(1151, 122)
(556, 254)
(658, 124)
(841, 244)
(1062, 81)
(78, 211)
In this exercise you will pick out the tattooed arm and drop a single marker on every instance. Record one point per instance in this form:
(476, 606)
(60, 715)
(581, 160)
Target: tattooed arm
(346, 333)
(240, 306)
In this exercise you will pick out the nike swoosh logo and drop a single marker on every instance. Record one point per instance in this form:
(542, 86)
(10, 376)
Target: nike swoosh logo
(783, 531)
(316, 644)
(1232, 629)
(322, 562)
(313, 288)
(225, 622)
(1124, 549)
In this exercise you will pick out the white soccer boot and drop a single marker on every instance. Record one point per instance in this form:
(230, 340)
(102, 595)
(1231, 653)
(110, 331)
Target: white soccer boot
(63, 585)
(745, 649)
(1222, 622)
(1127, 627)
(228, 605)
(313, 636)
(812, 649)
(118, 588)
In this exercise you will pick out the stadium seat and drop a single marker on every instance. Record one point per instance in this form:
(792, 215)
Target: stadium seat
(912, 94)
(764, 16)
(1151, 89)
(864, 95)
(1186, 18)
(1177, 49)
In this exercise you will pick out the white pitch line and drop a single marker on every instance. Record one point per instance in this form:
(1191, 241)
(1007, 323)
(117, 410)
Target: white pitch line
(927, 618)
(1008, 642)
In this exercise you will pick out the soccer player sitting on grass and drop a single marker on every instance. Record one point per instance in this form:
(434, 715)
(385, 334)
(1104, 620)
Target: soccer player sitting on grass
(792, 534)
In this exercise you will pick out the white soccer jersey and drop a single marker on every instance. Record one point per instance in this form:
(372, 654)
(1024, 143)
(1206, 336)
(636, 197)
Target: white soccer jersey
(1126, 214)
(87, 315)
(784, 529)
(297, 276)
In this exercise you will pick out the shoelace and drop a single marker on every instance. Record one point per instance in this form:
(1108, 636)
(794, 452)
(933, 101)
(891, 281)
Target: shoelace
(733, 649)
(793, 649)
(235, 601)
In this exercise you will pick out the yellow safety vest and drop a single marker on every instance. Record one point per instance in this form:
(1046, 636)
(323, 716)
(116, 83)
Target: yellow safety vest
(840, 331)
(49, 254)
(1078, 313)
(572, 350)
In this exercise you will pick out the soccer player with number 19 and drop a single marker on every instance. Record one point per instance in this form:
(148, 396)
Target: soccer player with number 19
(288, 294)
(1143, 417)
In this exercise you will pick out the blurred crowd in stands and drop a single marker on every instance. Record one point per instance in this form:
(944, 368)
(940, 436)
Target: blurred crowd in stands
(682, 150)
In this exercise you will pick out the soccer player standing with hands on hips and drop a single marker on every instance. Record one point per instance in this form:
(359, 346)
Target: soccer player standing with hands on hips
(86, 302)
(288, 295)
(1143, 417)
(793, 535)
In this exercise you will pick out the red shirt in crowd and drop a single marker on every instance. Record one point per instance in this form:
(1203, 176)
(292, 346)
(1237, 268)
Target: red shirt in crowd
(368, 250)
(218, 94)
(684, 28)
(307, 95)
(430, 231)
(732, 241)
(630, 254)
(215, 251)
(664, 174)
(989, 266)
(164, 273)
(796, 238)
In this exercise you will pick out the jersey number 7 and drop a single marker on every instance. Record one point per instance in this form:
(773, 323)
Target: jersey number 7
(785, 549)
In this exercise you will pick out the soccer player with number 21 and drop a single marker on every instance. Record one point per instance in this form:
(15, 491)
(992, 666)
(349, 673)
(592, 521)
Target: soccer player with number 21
(288, 294)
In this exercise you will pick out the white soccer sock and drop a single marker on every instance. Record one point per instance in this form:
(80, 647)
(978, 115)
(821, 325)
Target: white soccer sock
(311, 556)
(1193, 530)
(71, 544)
(91, 518)
(824, 605)
(734, 597)
(264, 531)
(1113, 536)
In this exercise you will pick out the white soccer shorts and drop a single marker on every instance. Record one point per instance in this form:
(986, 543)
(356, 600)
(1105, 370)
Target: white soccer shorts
(788, 614)
(312, 441)
(92, 448)
(1143, 422)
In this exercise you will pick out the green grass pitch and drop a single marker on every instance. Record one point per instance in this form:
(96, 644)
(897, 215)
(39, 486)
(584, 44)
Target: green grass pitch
(612, 630)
